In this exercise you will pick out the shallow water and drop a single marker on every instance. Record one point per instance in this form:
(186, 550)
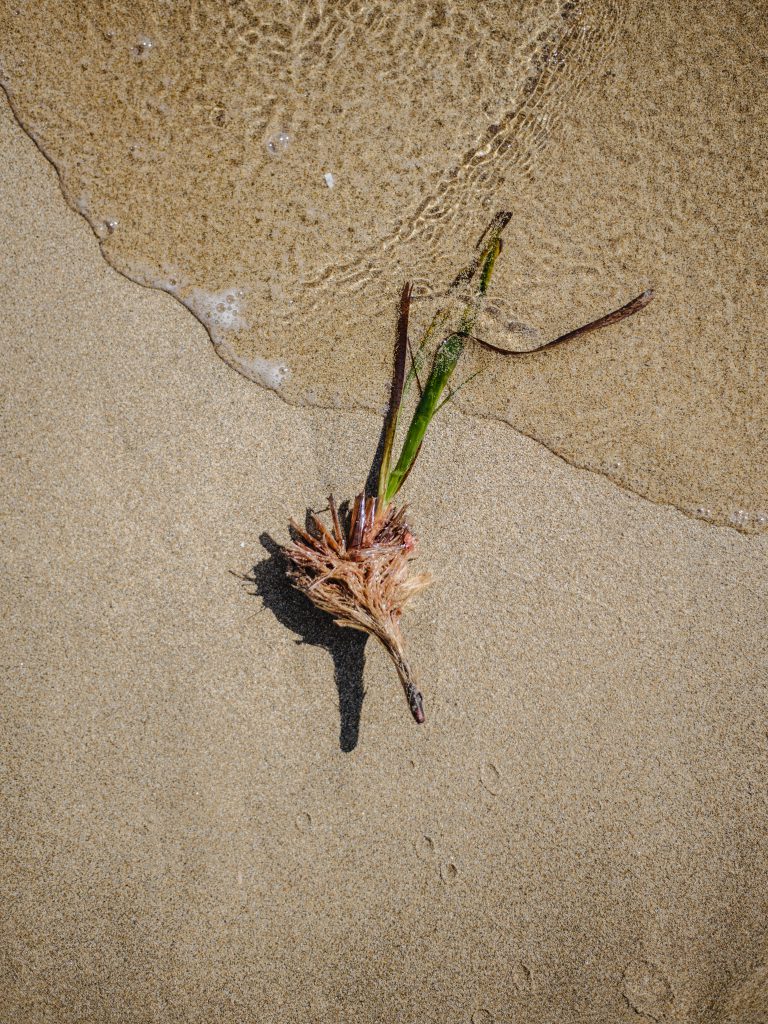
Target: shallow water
(282, 168)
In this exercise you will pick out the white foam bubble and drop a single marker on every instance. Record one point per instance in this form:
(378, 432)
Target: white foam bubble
(221, 312)
(83, 205)
(104, 227)
(277, 143)
(271, 373)
(142, 48)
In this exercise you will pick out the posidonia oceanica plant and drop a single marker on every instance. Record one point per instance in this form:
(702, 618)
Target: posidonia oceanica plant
(358, 568)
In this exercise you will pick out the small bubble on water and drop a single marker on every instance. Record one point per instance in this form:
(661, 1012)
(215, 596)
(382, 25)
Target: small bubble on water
(142, 48)
(103, 228)
(277, 143)
(761, 518)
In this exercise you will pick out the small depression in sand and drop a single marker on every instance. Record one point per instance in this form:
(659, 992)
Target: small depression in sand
(282, 168)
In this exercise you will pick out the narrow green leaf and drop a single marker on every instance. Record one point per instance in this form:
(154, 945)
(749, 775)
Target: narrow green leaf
(443, 366)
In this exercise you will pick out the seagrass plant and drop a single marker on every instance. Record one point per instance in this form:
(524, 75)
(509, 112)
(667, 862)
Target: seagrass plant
(359, 569)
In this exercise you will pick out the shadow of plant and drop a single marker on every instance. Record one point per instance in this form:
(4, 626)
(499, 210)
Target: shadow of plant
(312, 626)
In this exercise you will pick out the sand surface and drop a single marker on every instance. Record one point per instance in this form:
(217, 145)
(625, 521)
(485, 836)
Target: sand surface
(282, 166)
(202, 821)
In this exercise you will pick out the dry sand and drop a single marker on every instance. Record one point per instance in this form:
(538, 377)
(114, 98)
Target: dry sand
(191, 831)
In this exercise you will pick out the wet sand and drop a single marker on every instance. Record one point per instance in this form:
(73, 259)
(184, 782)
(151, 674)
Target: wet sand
(281, 167)
(204, 820)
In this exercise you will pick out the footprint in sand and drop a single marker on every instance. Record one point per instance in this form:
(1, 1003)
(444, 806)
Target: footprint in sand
(490, 778)
(482, 1016)
(647, 989)
(425, 848)
(522, 978)
(448, 872)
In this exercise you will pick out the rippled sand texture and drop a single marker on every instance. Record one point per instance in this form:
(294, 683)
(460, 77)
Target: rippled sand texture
(281, 168)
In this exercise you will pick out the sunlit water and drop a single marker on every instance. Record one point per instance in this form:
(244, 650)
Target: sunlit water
(282, 168)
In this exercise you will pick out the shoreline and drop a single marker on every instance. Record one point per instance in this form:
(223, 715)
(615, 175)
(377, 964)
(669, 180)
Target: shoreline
(576, 832)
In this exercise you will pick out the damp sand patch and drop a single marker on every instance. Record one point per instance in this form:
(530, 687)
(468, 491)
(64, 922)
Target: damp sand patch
(307, 160)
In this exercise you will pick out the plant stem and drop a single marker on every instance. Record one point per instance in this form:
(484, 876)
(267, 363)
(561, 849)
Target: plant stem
(396, 394)
(444, 364)
(447, 356)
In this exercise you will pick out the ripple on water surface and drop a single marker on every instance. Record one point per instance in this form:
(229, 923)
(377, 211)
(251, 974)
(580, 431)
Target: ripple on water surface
(300, 160)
